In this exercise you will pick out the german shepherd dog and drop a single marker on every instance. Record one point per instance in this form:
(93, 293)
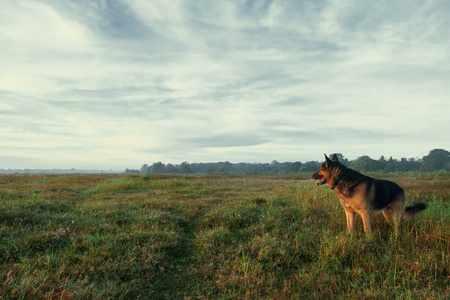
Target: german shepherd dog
(364, 195)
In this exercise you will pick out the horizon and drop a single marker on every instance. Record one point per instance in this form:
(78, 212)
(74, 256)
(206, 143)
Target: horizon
(117, 84)
(111, 170)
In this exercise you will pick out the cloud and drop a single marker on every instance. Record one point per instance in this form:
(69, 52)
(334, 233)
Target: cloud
(131, 82)
(223, 141)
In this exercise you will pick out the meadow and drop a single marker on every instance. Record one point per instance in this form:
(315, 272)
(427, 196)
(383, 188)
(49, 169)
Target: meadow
(214, 237)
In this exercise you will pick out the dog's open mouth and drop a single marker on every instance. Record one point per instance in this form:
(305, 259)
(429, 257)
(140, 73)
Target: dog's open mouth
(321, 181)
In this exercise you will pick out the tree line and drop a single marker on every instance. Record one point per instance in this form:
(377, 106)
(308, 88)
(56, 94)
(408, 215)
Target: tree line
(437, 159)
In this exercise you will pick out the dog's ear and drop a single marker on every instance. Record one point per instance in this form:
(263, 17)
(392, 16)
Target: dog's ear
(327, 161)
(334, 157)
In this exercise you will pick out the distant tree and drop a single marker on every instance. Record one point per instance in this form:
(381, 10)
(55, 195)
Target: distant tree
(157, 168)
(437, 159)
(294, 167)
(185, 168)
(380, 164)
(254, 168)
(240, 167)
(447, 167)
(414, 164)
(403, 165)
(267, 168)
(171, 169)
(310, 166)
(224, 167)
(223, 170)
(144, 169)
(275, 167)
(391, 165)
(363, 164)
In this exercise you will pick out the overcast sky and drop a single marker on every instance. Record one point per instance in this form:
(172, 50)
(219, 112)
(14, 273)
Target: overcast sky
(101, 84)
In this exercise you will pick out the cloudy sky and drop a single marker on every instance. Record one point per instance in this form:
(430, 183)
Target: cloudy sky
(114, 84)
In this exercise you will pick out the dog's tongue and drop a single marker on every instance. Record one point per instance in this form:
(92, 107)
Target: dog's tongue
(321, 181)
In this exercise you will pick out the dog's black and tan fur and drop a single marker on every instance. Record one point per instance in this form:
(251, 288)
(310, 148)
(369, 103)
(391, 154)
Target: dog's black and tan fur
(364, 195)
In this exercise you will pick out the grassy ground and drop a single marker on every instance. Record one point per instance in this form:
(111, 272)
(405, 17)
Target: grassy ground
(213, 237)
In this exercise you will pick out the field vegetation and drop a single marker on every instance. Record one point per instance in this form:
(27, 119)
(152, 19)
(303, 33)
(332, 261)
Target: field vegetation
(214, 237)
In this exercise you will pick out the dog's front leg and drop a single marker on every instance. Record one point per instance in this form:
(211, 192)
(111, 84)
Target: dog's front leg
(366, 221)
(350, 215)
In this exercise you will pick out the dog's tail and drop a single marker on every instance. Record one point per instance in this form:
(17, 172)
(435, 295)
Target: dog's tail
(415, 208)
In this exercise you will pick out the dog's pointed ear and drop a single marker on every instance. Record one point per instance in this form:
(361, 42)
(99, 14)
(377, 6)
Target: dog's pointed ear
(327, 160)
(334, 157)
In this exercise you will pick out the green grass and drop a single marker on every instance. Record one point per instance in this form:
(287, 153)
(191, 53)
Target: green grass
(214, 237)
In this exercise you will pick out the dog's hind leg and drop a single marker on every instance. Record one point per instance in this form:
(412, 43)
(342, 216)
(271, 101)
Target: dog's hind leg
(394, 212)
(388, 215)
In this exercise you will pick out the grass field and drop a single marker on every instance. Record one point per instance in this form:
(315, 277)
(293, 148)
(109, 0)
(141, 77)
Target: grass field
(214, 237)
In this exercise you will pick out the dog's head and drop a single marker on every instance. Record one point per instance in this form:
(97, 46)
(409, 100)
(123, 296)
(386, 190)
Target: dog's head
(327, 170)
